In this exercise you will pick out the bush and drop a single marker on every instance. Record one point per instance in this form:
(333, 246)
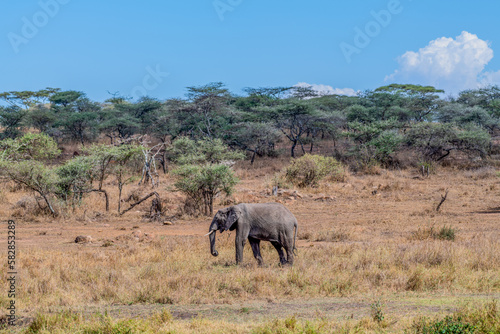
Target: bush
(308, 170)
(33, 176)
(377, 312)
(445, 233)
(31, 146)
(202, 183)
(448, 325)
(471, 318)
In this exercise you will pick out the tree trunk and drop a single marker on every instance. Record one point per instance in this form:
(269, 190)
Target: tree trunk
(211, 205)
(445, 155)
(164, 162)
(48, 204)
(100, 191)
(120, 187)
(154, 193)
(106, 197)
(302, 146)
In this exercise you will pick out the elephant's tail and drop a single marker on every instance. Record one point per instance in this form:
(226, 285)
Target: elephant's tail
(294, 238)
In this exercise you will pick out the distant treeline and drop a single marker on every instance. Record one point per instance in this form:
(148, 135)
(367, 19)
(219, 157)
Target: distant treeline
(372, 127)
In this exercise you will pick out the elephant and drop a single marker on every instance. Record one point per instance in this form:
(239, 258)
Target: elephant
(257, 221)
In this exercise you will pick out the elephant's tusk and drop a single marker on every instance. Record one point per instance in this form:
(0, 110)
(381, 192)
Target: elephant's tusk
(209, 233)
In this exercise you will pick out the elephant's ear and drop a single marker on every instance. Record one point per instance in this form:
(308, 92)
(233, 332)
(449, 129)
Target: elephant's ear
(232, 218)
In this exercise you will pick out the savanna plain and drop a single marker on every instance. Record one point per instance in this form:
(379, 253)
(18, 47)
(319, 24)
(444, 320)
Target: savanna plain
(374, 255)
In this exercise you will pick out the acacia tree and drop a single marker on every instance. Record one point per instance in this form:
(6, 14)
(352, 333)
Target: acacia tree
(486, 97)
(28, 99)
(126, 160)
(257, 138)
(77, 175)
(35, 176)
(21, 161)
(294, 120)
(272, 93)
(207, 102)
(100, 157)
(304, 92)
(203, 183)
(375, 141)
(422, 101)
(77, 116)
(65, 98)
(117, 125)
(142, 113)
(75, 179)
(202, 172)
(79, 126)
(436, 141)
(42, 119)
(11, 119)
(464, 115)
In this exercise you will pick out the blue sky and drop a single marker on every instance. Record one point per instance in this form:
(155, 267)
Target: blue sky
(130, 46)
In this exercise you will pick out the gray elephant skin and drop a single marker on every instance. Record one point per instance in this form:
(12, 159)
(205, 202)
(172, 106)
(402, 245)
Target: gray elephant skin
(256, 222)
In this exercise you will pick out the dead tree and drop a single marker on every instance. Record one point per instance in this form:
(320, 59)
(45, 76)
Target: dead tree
(155, 210)
(149, 170)
(156, 207)
(443, 198)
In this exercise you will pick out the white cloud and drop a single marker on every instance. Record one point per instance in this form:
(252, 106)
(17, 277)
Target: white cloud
(490, 78)
(328, 90)
(449, 64)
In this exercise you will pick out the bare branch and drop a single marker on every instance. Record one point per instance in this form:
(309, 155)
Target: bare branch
(443, 198)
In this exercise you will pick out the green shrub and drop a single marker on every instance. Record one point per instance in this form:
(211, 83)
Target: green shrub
(308, 170)
(448, 325)
(377, 312)
(479, 319)
(31, 146)
(445, 233)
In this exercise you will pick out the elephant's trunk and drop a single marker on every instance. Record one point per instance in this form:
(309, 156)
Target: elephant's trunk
(213, 229)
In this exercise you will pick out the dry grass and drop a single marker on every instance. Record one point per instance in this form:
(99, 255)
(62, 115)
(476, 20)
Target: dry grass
(370, 235)
(480, 318)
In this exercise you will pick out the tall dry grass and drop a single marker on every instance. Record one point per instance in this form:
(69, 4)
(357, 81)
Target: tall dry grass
(180, 270)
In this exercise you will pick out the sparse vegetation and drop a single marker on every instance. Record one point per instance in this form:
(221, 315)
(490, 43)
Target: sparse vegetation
(478, 319)
(448, 325)
(308, 170)
(377, 312)
(444, 233)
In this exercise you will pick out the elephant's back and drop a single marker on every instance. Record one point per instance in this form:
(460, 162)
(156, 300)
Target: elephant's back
(275, 211)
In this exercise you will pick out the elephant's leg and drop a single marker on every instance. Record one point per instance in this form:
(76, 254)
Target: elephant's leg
(289, 254)
(255, 243)
(277, 245)
(239, 244)
(288, 246)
